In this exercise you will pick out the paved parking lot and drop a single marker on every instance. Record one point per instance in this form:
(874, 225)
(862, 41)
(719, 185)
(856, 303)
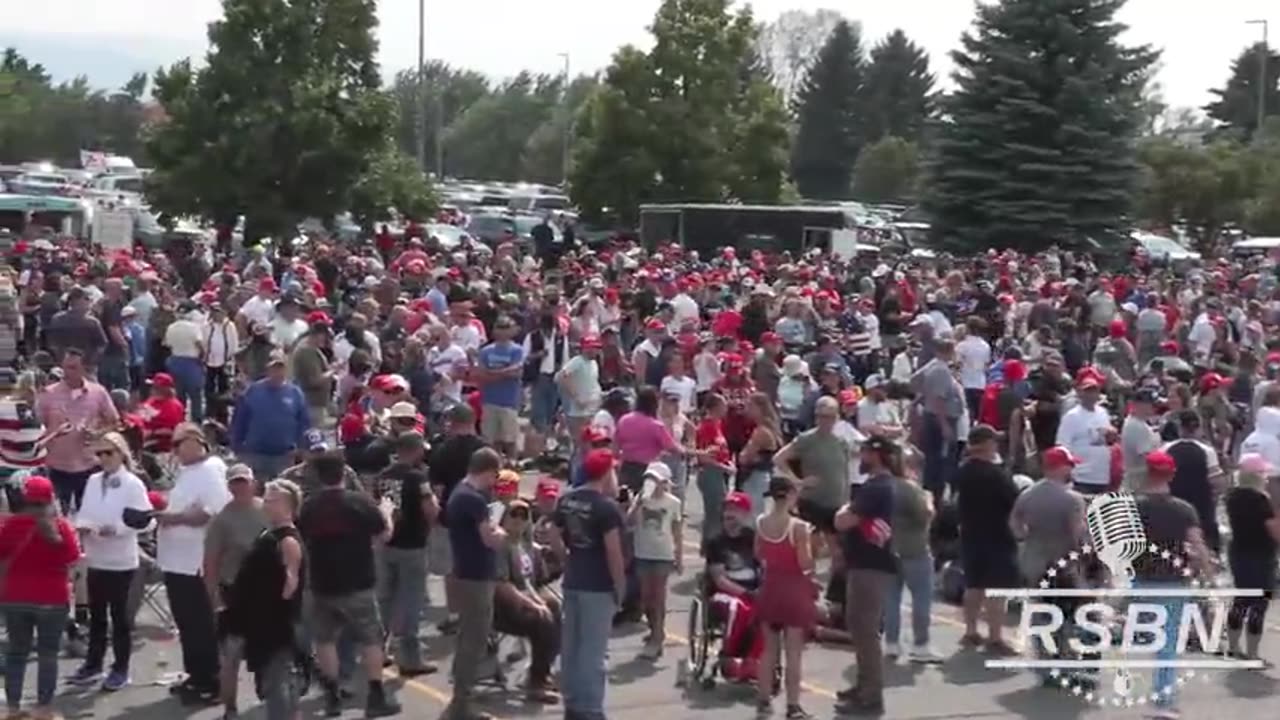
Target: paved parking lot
(958, 688)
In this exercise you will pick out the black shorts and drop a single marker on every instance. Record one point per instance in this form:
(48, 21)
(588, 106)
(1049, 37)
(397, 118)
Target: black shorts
(819, 516)
(986, 567)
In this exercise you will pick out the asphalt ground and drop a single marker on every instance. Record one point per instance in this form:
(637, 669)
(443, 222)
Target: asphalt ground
(959, 687)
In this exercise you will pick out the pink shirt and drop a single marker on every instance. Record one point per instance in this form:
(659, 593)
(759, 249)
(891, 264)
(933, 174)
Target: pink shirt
(642, 439)
(86, 408)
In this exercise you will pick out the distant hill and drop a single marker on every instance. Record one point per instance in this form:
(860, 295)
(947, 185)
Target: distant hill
(107, 61)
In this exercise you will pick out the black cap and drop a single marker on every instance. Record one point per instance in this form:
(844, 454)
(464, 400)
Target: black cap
(879, 443)
(1146, 396)
(982, 433)
(412, 440)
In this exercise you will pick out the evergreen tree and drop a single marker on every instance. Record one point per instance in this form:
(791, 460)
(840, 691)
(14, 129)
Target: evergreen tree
(1236, 109)
(829, 134)
(1038, 144)
(897, 97)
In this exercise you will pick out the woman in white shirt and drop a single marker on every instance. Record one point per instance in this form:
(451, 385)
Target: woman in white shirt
(111, 556)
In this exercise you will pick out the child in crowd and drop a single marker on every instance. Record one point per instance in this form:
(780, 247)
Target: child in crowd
(658, 542)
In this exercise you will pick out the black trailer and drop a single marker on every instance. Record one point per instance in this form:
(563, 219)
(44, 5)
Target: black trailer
(772, 228)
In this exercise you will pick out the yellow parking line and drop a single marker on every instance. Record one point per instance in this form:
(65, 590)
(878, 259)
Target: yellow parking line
(815, 689)
(439, 696)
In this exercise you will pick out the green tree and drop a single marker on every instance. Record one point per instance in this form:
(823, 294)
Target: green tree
(281, 122)
(1038, 145)
(488, 140)
(897, 95)
(542, 160)
(1205, 187)
(1236, 109)
(1262, 210)
(446, 94)
(887, 170)
(671, 124)
(829, 130)
(392, 180)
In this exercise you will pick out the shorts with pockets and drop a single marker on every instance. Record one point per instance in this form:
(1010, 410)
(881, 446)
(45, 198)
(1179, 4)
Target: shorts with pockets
(500, 425)
(357, 611)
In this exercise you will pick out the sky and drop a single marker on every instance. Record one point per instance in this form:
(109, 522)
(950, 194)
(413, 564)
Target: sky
(107, 40)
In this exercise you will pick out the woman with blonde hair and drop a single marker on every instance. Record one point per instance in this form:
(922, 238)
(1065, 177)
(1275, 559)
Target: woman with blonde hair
(37, 550)
(755, 462)
(111, 558)
(1251, 553)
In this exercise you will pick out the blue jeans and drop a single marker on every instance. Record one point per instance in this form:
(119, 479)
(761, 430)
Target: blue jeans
(757, 486)
(544, 401)
(939, 456)
(584, 642)
(45, 626)
(188, 379)
(402, 591)
(714, 486)
(1164, 680)
(916, 573)
(266, 467)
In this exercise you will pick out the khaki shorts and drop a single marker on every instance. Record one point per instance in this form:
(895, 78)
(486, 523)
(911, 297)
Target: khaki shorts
(439, 552)
(500, 425)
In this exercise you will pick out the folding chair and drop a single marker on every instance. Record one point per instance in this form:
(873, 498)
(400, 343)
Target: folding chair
(148, 586)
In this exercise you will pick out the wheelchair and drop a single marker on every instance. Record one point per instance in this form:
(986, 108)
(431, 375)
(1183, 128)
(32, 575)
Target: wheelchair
(706, 632)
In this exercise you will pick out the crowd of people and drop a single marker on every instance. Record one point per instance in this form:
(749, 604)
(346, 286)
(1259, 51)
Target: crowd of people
(293, 440)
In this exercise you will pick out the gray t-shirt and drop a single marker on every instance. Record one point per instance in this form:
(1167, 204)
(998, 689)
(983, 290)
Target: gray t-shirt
(825, 456)
(1052, 513)
(910, 519)
(231, 535)
(934, 381)
(1136, 440)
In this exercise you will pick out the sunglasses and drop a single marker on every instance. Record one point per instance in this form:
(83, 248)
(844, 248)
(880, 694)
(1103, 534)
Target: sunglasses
(519, 515)
(105, 453)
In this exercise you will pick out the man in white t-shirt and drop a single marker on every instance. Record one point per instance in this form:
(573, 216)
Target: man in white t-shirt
(579, 382)
(448, 362)
(1201, 338)
(1085, 431)
(199, 492)
(877, 414)
(685, 307)
(261, 308)
(974, 354)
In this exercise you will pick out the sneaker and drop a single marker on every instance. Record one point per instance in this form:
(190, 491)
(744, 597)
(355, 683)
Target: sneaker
(764, 708)
(1001, 648)
(861, 707)
(542, 694)
(448, 626)
(194, 695)
(848, 694)
(652, 651)
(332, 703)
(380, 706)
(892, 649)
(115, 681)
(925, 654)
(85, 676)
(417, 670)
(795, 712)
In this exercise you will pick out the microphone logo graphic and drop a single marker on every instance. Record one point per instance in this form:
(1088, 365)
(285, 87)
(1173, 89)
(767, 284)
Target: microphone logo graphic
(1117, 535)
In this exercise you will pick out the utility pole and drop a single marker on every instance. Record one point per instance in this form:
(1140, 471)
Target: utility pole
(420, 117)
(1262, 73)
(440, 130)
(568, 126)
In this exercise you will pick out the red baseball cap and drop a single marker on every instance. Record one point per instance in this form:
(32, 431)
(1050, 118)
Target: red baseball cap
(38, 490)
(1015, 371)
(1212, 382)
(770, 337)
(597, 463)
(1058, 456)
(548, 489)
(319, 317)
(162, 379)
(267, 285)
(738, 501)
(591, 342)
(656, 325)
(1161, 462)
(1118, 329)
(593, 434)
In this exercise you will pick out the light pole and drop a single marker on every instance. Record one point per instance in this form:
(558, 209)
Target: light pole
(1262, 74)
(420, 117)
(568, 126)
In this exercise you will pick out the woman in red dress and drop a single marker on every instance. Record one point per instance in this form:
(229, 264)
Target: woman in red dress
(785, 605)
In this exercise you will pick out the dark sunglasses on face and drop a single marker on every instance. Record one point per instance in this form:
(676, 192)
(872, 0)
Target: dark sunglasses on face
(520, 515)
(105, 453)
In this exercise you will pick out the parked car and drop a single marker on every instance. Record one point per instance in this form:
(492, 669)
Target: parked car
(42, 183)
(1164, 251)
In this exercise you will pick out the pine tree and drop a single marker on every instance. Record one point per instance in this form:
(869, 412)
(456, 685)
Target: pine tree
(829, 134)
(1038, 142)
(897, 96)
(1236, 109)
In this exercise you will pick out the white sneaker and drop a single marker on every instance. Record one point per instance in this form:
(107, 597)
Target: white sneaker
(925, 654)
(892, 650)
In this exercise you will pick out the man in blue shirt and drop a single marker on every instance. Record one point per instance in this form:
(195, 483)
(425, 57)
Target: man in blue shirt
(270, 423)
(500, 369)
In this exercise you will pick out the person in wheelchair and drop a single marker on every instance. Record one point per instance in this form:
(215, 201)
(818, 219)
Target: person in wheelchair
(733, 577)
(520, 609)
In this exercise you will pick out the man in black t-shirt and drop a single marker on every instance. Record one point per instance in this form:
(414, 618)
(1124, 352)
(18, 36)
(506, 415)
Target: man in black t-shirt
(988, 550)
(338, 527)
(403, 580)
(865, 524)
(474, 538)
(1196, 472)
(446, 468)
